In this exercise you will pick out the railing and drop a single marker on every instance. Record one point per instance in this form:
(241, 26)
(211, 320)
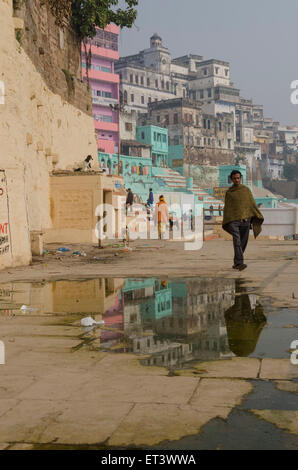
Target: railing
(101, 100)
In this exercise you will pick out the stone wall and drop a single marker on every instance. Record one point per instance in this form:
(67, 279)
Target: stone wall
(204, 176)
(55, 52)
(39, 129)
(14, 228)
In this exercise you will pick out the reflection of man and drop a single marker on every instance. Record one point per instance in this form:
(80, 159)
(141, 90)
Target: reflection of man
(244, 323)
(240, 212)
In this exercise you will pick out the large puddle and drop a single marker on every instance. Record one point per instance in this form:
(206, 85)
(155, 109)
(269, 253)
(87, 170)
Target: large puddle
(167, 322)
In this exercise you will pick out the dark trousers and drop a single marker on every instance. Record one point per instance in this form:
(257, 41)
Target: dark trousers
(239, 229)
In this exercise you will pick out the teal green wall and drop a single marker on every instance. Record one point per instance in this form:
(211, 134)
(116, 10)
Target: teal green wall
(225, 171)
(176, 152)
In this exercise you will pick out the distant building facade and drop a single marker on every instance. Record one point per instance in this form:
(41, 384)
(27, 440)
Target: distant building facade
(104, 83)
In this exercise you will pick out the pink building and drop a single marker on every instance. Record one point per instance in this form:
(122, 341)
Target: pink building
(105, 87)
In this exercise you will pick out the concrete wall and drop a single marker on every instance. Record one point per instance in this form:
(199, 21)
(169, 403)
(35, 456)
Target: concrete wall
(74, 199)
(38, 128)
(280, 221)
(15, 247)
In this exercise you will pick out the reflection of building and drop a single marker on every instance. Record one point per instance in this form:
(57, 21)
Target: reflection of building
(177, 321)
(93, 297)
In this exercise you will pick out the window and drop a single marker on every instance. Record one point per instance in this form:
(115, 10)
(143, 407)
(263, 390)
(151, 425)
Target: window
(84, 65)
(229, 143)
(125, 96)
(209, 141)
(156, 83)
(209, 92)
(219, 143)
(128, 126)
(142, 99)
(216, 69)
(154, 136)
(226, 72)
(149, 99)
(166, 119)
(97, 67)
(201, 94)
(107, 118)
(158, 118)
(143, 135)
(208, 124)
(142, 80)
(162, 84)
(148, 81)
(137, 78)
(93, 92)
(220, 126)
(229, 127)
(107, 94)
(197, 120)
(205, 124)
(175, 118)
(132, 98)
(92, 67)
(164, 138)
(131, 78)
(98, 93)
(106, 69)
(176, 140)
(167, 86)
(205, 71)
(205, 140)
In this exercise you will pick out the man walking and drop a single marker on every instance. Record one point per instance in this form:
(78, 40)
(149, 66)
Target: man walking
(240, 212)
(161, 216)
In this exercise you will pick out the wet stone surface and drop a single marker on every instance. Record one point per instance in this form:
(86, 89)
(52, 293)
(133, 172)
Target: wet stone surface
(187, 356)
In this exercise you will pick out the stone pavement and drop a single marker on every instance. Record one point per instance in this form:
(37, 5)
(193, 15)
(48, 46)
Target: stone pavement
(55, 391)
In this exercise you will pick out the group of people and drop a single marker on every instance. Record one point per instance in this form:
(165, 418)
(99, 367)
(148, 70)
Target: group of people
(241, 214)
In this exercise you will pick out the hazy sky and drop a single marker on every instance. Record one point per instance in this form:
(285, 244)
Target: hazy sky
(258, 37)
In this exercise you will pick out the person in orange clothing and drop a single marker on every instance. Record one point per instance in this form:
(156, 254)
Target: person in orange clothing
(161, 216)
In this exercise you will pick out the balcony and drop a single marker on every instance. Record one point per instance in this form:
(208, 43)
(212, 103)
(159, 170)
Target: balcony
(102, 101)
(102, 76)
(106, 126)
(102, 52)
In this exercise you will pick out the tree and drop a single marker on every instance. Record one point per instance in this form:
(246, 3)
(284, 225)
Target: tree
(86, 15)
(89, 14)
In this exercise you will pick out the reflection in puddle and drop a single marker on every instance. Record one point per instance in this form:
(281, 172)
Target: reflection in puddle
(168, 323)
(244, 322)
